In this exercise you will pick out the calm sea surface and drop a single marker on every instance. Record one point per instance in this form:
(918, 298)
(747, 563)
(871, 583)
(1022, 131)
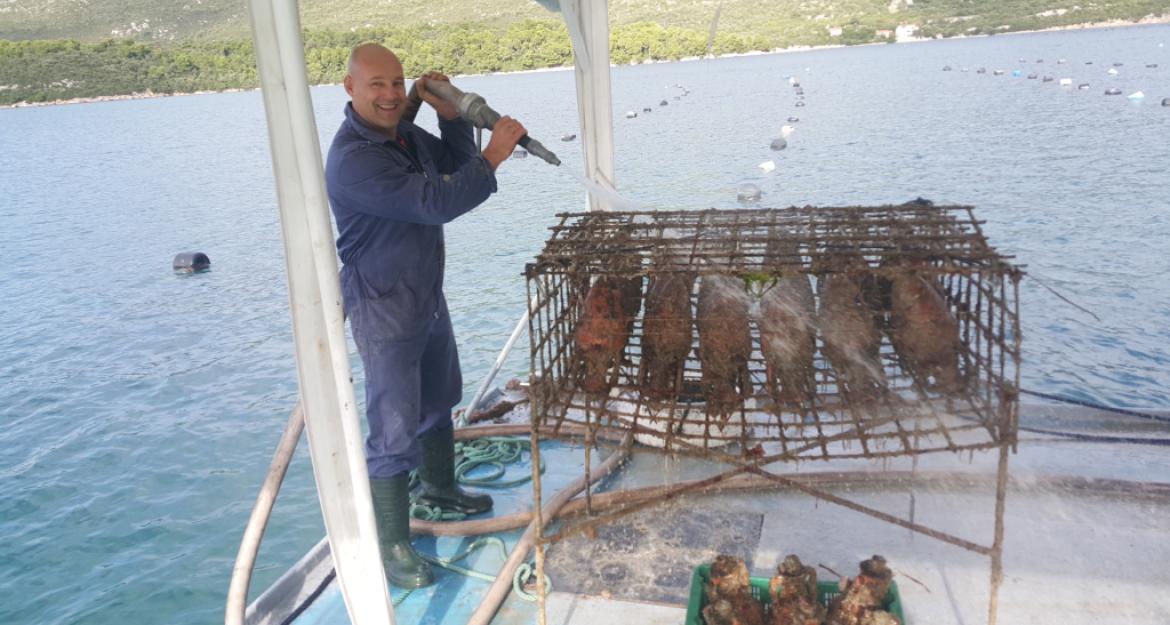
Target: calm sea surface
(139, 409)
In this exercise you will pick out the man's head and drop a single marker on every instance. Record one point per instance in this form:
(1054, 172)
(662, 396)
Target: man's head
(377, 87)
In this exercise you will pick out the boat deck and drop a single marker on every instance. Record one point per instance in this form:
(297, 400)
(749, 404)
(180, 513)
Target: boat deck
(1087, 536)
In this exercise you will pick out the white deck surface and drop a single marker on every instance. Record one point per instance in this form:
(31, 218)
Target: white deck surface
(569, 609)
(1072, 555)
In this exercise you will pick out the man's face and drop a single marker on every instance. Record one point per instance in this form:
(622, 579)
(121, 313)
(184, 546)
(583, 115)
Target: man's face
(378, 89)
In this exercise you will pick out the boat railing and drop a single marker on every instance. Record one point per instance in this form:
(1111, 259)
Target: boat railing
(521, 325)
(237, 600)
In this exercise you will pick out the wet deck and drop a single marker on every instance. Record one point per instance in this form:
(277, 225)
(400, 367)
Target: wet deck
(1076, 551)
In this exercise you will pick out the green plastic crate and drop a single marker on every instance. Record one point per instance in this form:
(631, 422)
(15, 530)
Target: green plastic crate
(759, 585)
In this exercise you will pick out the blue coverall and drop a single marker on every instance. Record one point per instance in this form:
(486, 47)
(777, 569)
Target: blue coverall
(390, 199)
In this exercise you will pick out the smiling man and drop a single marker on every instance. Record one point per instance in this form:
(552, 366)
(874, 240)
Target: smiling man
(392, 186)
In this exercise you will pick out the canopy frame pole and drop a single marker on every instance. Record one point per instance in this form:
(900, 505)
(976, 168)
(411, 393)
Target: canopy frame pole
(588, 22)
(323, 372)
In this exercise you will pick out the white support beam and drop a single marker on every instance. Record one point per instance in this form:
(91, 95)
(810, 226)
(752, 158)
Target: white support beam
(326, 385)
(588, 22)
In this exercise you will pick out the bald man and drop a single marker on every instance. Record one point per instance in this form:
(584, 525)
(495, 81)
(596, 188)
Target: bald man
(392, 186)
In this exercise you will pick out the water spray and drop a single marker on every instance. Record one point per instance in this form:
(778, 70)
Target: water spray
(475, 110)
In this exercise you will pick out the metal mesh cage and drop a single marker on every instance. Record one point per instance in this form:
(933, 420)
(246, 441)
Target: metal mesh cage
(598, 310)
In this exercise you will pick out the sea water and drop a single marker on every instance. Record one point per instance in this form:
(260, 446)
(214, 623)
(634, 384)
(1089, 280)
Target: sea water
(140, 408)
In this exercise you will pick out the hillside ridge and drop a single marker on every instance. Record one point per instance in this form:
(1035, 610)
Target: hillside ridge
(783, 22)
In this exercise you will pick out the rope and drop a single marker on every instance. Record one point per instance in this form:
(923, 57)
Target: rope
(1086, 404)
(521, 578)
(492, 452)
(397, 602)
(524, 574)
(424, 512)
(449, 563)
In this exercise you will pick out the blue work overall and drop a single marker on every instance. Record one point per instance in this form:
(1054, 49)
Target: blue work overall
(390, 199)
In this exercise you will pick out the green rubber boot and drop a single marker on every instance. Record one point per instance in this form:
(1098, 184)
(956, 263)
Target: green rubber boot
(438, 477)
(404, 568)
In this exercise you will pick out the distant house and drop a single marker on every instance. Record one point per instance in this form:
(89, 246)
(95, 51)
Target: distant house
(884, 34)
(906, 32)
(835, 31)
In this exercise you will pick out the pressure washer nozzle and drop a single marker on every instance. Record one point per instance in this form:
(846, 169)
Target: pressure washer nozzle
(474, 109)
(534, 147)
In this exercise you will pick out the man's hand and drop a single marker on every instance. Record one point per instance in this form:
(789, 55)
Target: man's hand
(506, 134)
(445, 109)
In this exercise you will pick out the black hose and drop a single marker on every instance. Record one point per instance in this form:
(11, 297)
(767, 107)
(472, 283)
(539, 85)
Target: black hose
(1101, 438)
(1098, 438)
(1086, 404)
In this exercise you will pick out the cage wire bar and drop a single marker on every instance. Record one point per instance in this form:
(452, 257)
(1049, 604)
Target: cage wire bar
(912, 414)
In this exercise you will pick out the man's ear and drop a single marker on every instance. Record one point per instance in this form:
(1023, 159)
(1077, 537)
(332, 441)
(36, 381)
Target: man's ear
(348, 82)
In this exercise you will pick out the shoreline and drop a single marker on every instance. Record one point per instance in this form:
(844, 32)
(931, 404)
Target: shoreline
(1145, 21)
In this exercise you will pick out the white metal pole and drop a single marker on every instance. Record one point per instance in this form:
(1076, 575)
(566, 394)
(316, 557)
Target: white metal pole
(521, 326)
(588, 22)
(326, 388)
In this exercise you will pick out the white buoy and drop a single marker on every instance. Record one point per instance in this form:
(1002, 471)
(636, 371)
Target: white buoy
(1066, 82)
(1111, 71)
(786, 131)
(1136, 95)
(767, 166)
(631, 115)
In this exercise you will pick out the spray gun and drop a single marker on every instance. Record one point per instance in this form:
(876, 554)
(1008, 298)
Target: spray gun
(475, 110)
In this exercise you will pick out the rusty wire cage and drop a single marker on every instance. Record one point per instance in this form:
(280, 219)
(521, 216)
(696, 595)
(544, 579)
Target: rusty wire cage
(911, 412)
(947, 248)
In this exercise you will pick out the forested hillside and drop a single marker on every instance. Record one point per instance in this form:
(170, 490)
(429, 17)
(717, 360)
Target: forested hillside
(59, 49)
(781, 21)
